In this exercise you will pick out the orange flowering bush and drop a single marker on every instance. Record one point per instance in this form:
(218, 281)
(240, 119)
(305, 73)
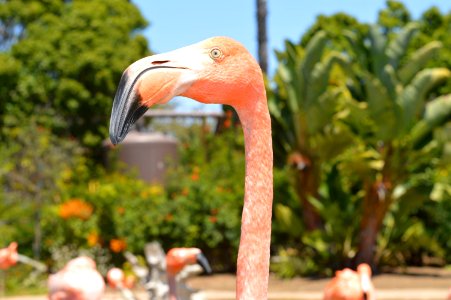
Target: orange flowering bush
(75, 208)
(118, 245)
(93, 239)
(206, 195)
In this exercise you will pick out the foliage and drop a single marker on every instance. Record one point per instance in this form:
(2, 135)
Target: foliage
(392, 153)
(321, 251)
(23, 280)
(304, 106)
(394, 17)
(198, 207)
(392, 93)
(301, 101)
(206, 196)
(334, 25)
(434, 26)
(34, 162)
(65, 58)
(120, 212)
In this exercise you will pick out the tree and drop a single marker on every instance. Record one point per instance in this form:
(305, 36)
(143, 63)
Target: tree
(367, 117)
(34, 164)
(71, 55)
(262, 38)
(303, 108)
(434, 26)
(394, 118)
(394, 17)
(334, 25)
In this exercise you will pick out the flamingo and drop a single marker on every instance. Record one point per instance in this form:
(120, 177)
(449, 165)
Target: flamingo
(116, 279)
(351, 285)
(8, 256)
(177, 259)
(78, 280)
(217, 70)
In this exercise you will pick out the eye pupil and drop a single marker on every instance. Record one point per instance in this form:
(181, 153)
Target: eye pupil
(215, 53)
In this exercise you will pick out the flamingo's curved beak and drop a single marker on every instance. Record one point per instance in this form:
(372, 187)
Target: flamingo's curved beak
(151, 80)
(203, 262)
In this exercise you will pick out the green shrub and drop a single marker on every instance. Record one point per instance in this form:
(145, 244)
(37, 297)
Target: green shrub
(205, 196)
(200, 206)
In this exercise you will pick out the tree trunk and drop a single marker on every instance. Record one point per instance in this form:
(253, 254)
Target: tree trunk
(307, 186)
(262, 12)
(37, 234)
(375, 205)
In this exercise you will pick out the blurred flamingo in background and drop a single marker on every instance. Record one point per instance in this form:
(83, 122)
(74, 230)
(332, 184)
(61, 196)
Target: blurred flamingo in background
(8, 256)
(176, 263)
(116, 279)
(176, 260)
(216, 70)
(350, 285)
(78, 280)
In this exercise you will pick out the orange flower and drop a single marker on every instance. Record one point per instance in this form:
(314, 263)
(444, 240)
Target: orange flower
(75, 208)
(185, 191)
(121, 210)
(227, 123)
(169, 217)
(213, 219)
(129, 281)
(228, 120)
(93, 239)
(118, 245)
(195, 174)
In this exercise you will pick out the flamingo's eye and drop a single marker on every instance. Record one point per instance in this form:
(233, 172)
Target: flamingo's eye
(215, 53)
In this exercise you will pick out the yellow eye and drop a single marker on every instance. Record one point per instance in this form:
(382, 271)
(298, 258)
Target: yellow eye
(215, 53)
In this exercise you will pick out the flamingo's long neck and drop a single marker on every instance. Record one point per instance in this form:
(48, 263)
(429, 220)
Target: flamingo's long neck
(253, 256)
(172, 287)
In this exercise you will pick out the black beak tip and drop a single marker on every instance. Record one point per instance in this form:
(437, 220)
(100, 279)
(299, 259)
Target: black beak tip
(203, 262)
(116, 136)
(114, 139)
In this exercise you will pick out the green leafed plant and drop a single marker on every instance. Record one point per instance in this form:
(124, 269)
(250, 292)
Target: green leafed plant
(396, 138)
(304, 105)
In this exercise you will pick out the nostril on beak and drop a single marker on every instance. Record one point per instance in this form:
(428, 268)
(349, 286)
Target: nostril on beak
(159, 62)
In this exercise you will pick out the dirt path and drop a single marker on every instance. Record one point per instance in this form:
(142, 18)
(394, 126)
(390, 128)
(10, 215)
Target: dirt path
(418, 278)
(414, 283)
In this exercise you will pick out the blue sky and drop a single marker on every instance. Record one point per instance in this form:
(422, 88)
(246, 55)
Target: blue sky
(176, 23)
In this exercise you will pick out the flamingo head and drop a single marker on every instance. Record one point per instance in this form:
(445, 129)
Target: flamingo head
(178, 258)
(8, 256)
(81, 262)
(216, 70)
(115, 277)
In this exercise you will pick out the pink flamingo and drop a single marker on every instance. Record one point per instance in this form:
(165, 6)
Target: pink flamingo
(216, 70)
(116, 279)
(8, 256)
(177, 259)
(351, 285)
(78, 280)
